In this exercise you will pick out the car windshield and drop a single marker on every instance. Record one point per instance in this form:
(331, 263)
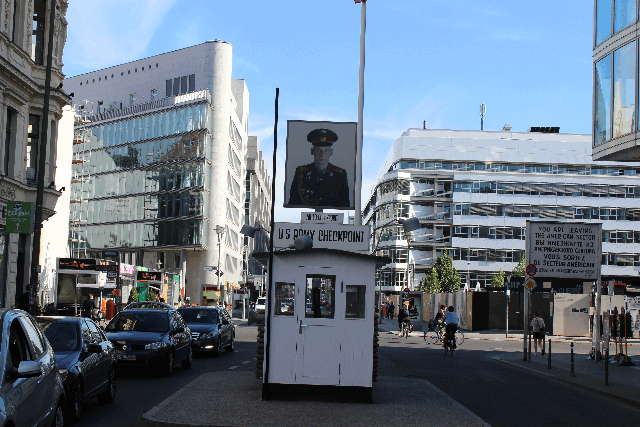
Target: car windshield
(192, 315)
(61, 336)
(139, 322)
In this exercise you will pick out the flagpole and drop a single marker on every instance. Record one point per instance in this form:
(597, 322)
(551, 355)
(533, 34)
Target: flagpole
(358, 183)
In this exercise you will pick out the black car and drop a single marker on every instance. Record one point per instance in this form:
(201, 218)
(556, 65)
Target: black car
(150, 337)
(211, 328)
(150, 304)
(86, 359)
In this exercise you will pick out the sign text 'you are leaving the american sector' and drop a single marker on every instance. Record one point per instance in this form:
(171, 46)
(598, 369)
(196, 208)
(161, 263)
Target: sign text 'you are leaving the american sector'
(565, 249)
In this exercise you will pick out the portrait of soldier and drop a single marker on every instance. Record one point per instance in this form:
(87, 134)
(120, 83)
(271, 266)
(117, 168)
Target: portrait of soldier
(320, 183)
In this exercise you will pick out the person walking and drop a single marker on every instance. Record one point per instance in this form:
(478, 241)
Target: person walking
(384, 311)
(538, 327)
(391, 310)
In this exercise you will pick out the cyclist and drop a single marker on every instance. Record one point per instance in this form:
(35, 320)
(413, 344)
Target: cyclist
(439, 320)
(451, 321)
(403, 316)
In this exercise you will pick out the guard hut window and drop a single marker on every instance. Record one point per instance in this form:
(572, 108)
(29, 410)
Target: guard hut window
(320, 293)
(32, 148)
(285, 299)
(37, 37)
(355, 297)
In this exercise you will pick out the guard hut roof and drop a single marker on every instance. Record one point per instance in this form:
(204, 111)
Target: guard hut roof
(263, 257)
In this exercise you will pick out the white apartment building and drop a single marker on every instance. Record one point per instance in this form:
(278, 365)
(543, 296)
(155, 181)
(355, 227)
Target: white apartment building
(160, 163)
(473, 192)
(24, 38)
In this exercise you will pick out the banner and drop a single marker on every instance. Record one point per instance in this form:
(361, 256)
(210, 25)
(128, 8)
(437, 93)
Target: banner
(20, 217)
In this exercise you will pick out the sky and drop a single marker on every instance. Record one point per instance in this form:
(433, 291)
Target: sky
(433, 60)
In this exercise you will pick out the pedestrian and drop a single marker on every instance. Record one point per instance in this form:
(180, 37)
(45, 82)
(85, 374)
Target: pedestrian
(384, 311)
(538, 328)
(391, 310)
(88, 306)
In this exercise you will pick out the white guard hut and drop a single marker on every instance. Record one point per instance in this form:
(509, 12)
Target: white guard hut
(319, 331)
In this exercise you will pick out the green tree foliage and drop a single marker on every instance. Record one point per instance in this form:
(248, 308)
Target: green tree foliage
(431, 284)
(133, 295)
(447, 275)
(519, 270)
(151, 294)
(498, 280)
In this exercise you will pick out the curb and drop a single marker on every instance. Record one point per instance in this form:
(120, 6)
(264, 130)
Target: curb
(613, 396)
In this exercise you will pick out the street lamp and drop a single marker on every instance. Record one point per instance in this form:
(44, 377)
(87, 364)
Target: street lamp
(220, 232)
(245, 256)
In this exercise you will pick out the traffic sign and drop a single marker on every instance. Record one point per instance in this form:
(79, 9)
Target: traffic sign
(530, 284)
(116, 292)
(531, 270)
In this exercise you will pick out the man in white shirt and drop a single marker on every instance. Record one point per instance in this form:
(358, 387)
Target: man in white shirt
(451, 321)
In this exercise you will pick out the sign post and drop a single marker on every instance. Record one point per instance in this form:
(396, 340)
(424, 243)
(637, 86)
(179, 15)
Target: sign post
(529, 286)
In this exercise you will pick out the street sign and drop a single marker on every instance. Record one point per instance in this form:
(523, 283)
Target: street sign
(530, 284)
(531, 270)
(20, 216)
(210, 268)
(116, 292)
(352, 238)
(322, 218)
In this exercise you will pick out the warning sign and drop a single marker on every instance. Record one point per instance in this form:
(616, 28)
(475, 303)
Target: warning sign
(565, 249)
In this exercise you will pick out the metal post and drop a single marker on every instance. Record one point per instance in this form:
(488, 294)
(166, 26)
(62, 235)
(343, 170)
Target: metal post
(606, 367)
(524, 329)
(359, 128)
(508, 297)
(597, 322)
(244, 285)
(529, 352)
(220, 232)
(549, 355)
(572, 373)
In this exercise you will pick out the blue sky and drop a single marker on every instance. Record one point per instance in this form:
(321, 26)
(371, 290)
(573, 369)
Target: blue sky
(433, 60)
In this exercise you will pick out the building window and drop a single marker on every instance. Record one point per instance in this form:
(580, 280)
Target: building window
(169, 88)
(32, 148)
(37, 37)
(603, 20)
(15, 20)
(624, 14)
(9, 139)
(624, 82)
(183, 88)
(602, 120)
(154, 94)
(176, 86)
(132, 98)
(192, 82)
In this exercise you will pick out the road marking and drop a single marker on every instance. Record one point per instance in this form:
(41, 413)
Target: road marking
(248, 361)
(233, 367)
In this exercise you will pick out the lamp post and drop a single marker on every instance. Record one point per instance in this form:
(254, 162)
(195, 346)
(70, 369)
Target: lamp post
(220, 232)
(508, 294)
(245, 253)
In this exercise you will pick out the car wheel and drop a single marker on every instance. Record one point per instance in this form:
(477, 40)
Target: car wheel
(186, 363)
(218, 350)
(231, 346)
(168, 368)
(109, 395)
(74, 409)
(58, 418)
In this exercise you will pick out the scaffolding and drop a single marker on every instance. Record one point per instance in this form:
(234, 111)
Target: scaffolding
(80, 183)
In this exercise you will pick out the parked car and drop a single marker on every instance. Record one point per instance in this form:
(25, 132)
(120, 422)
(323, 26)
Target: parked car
(211, 328)
(148, 337)
(31, 389)
(87, 359)
(260, 305)
(150, 304)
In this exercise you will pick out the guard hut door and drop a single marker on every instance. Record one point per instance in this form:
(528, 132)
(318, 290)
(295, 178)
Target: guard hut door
(321, 304)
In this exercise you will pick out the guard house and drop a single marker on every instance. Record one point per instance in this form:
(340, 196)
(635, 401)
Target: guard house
(319, 333)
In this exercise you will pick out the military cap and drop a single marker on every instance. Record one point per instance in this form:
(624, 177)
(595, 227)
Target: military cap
(322, 137)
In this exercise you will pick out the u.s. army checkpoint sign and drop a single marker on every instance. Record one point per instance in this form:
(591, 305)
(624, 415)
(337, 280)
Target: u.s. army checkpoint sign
(353, 238)
(565, 249)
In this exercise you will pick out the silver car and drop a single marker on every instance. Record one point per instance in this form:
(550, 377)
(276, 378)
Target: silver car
(31, 389)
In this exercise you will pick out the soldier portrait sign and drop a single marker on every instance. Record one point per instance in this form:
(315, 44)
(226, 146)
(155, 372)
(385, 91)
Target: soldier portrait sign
(320, 168)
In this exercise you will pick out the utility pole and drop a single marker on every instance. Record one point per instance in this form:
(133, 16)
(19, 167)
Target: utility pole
(359, 128)
(220, 231)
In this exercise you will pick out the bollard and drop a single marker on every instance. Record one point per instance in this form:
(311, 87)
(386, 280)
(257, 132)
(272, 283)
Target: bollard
(549, 360)
(572, 373)
(606, 367)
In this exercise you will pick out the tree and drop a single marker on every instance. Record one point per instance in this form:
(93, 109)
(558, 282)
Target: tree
(431, 284)
(519, 270)
(498, 280)
(447, 274)
(133, 295)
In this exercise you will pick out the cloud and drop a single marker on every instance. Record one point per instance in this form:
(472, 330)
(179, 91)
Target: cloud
(103, 33)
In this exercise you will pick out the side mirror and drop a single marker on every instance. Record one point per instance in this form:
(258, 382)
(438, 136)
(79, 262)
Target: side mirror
(94, 348)
(28, 369)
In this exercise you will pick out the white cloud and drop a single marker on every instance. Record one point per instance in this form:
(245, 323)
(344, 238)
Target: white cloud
(105, 33)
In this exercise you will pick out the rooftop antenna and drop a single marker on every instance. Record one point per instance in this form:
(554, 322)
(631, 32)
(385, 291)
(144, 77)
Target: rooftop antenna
(483, 111)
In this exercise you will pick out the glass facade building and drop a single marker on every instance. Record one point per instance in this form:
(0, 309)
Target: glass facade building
(473, 195)
(615, 81)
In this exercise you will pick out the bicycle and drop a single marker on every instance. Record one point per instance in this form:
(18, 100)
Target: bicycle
(406, 328)
(436, 336)
(449, 343)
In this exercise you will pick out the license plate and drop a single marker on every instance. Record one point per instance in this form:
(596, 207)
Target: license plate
(125, 356)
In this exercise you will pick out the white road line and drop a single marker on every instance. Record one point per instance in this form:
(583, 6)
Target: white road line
(233, 367)
(248, 361)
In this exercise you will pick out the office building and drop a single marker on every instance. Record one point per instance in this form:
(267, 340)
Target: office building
(160, 158)
(24, 37)
(474, 191)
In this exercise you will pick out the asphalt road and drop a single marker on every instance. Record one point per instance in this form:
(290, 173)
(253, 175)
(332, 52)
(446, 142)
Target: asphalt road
(138, 392)
(499, 394)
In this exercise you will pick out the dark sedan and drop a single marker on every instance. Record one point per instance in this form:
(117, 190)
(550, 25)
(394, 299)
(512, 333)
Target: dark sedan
(85, 356)
(211, 328)
(150, 337)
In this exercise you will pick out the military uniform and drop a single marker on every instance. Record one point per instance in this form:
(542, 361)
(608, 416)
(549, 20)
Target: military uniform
(311, 187)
